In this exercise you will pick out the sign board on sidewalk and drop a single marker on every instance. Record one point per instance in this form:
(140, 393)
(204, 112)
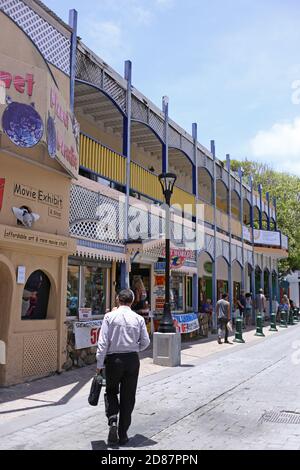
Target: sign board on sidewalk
(87, 333)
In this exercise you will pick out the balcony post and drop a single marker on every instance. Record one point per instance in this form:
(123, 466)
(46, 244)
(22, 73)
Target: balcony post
(260, 206)
(73, 19)
(214, 264)
(230, 283)
(127, 154)
(196, 193)
(253, 257)
(275, 207)
(269, 215)
(270, 288)
(242, 225)
(165, 156)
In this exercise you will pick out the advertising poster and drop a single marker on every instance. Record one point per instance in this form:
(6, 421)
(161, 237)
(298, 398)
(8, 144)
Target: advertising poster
(186, 323)
(87, 333)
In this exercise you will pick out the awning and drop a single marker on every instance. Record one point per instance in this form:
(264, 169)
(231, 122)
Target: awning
(94, 253)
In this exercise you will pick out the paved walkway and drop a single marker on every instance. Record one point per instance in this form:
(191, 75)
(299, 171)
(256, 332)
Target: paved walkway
(216, 399)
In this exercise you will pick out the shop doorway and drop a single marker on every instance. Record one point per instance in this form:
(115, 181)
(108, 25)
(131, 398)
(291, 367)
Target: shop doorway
(140, 282)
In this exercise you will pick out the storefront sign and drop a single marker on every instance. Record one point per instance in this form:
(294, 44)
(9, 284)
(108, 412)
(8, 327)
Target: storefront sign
(37, 239)
(34, 110)
(186, 323)
(264, 237)
(2, 184)
(87, 333)
(38, 195)
(179, 257)
(85, 313)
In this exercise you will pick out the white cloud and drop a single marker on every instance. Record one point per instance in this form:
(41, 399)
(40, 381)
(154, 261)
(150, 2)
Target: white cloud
(279, 146)
(106, 39)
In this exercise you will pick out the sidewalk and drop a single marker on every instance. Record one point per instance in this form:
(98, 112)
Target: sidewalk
(53, 413)
(194, 350)
(59, 389)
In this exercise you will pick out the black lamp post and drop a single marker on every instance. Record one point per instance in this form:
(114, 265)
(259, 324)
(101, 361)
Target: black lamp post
(167, 181)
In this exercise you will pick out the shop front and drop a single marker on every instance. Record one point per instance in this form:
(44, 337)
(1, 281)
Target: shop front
(38, 158)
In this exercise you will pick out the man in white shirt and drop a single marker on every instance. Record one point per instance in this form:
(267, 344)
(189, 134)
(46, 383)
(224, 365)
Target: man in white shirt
(123, 335)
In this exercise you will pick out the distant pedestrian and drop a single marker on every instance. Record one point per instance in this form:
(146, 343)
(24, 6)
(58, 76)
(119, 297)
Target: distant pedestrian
(241, 304)
(122, 336)
(248, 309)
(261, 303)
(223, 316)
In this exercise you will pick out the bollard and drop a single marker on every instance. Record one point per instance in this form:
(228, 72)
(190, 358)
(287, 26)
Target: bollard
(291, 317)
(259, 326)
(273, 322)
(283, 319)
(239, 331)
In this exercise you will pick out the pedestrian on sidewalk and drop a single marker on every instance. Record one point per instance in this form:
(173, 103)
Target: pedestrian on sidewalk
(241, 303)
(261, 303)
(223, 315)
(122, 336)
(248, 309)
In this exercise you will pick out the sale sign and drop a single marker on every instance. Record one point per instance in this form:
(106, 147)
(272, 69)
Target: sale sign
(2, 184)
(87, 333)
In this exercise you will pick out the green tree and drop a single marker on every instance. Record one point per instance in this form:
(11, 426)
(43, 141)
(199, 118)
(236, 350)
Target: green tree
(286, 188)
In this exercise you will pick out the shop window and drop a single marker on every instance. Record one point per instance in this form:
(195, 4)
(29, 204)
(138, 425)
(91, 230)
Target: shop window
(35, 297)
(176, 292)
(73, 291)
(94, 289)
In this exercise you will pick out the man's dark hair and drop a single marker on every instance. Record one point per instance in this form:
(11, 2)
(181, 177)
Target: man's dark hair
(126, 297)
(224, 296)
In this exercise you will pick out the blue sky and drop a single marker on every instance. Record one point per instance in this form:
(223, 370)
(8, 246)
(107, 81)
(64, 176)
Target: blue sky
(232, 66)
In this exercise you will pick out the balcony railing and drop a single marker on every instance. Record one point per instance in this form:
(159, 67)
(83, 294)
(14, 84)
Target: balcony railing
(111, 165)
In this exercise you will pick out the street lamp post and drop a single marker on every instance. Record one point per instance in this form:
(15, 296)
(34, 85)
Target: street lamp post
(167, 181)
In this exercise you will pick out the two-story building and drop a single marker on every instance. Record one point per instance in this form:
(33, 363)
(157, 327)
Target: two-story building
(67, 244)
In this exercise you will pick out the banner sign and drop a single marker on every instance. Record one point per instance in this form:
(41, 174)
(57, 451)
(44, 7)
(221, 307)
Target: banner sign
(87, 333)
(264, 237)
(32, 107)
(247, 234)
(186, 323)
(159, 291)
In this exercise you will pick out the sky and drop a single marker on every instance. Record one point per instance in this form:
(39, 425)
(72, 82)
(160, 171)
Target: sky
(232, 66)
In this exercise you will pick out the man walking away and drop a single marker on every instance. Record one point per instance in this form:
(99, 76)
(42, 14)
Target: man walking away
(223, 315)
(123, 335)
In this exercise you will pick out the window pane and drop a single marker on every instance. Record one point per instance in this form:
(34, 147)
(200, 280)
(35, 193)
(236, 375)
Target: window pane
(35, 297)
(94, 289)
(73, 291)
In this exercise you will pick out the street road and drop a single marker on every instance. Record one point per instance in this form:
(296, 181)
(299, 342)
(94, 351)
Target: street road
(245, 397)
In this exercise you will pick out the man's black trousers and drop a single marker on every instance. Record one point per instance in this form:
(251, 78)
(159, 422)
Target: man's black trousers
(122, 372)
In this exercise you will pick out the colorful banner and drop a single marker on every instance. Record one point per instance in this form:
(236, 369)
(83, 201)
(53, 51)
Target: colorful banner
(264, 237)
(87, 333)
(186, 323)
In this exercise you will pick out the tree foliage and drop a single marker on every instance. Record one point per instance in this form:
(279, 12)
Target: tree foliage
(286, 188)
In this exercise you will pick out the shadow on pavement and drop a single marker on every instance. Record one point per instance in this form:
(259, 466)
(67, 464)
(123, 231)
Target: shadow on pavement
(79, 378)
(134, 442)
